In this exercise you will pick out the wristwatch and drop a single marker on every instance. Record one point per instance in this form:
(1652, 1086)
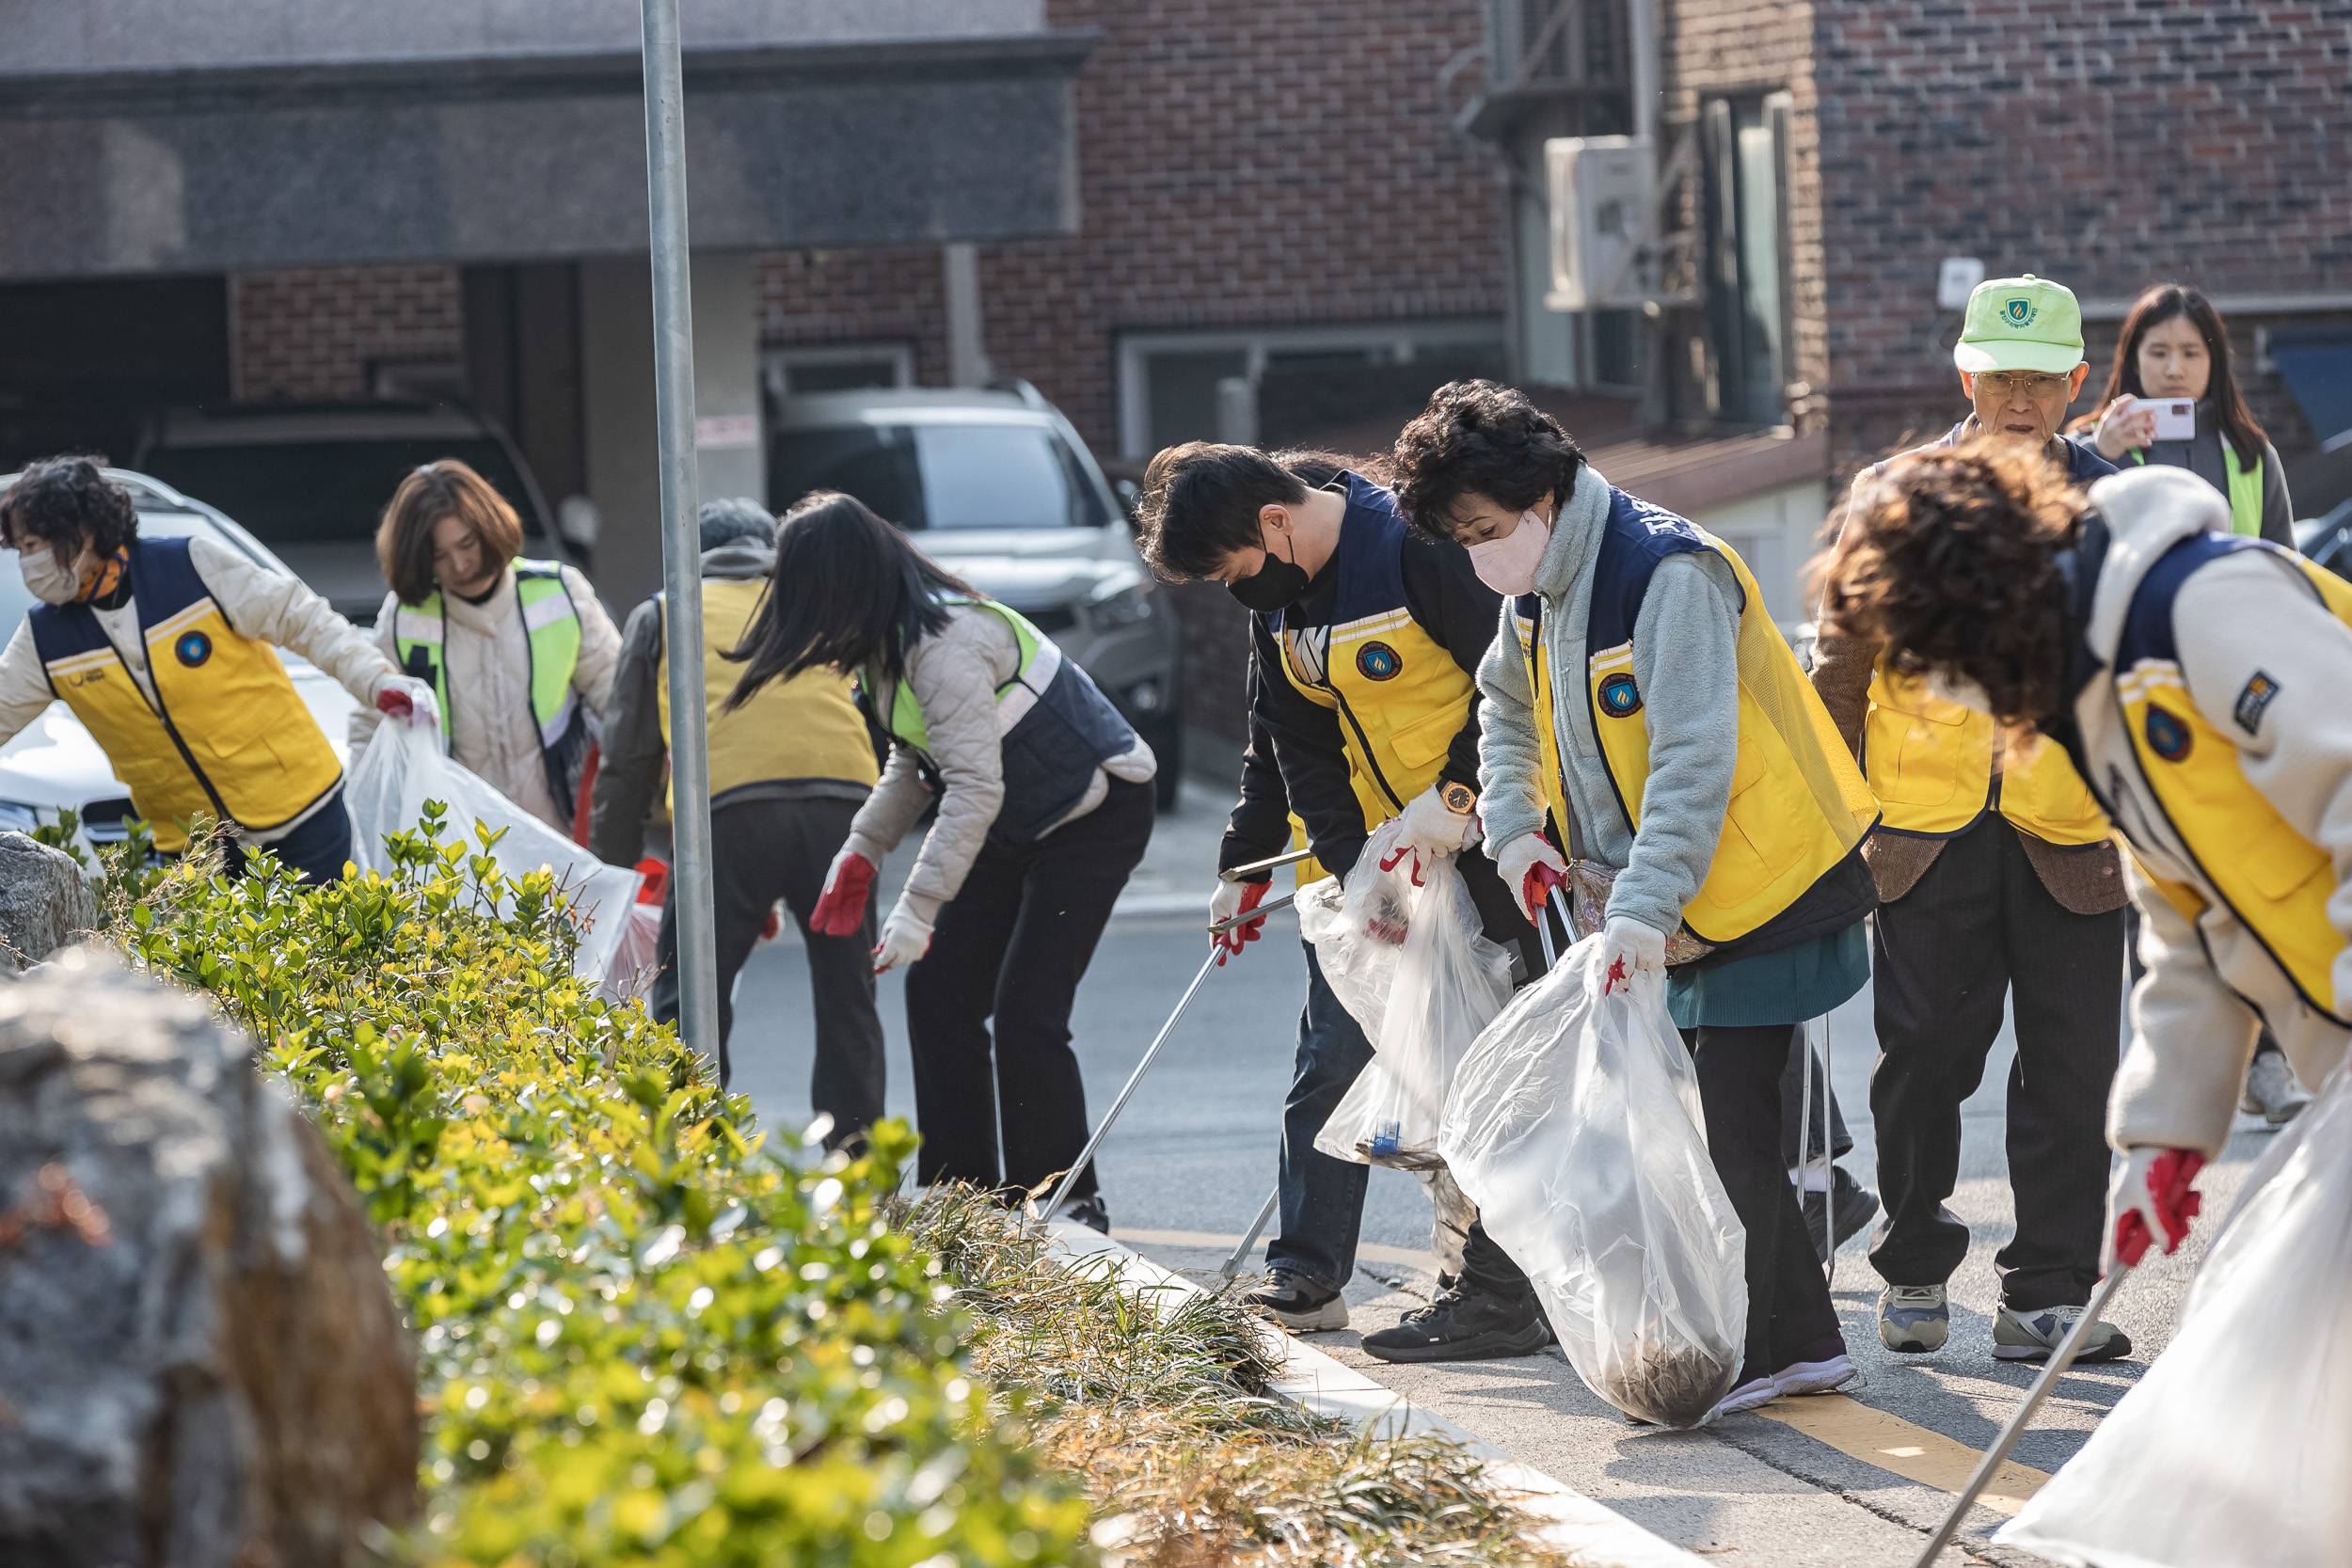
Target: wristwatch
(1459, 799)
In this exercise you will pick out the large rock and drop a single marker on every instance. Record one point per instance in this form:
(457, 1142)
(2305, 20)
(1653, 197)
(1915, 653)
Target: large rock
(200, 1363)
(45, 901)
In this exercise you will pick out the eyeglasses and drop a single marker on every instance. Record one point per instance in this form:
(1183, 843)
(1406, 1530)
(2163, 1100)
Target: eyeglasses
(2004, 384)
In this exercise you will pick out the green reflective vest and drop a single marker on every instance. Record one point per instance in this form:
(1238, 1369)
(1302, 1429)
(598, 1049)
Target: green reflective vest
(552, 633)
(2245, 490)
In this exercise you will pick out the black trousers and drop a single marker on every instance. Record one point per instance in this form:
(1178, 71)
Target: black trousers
(1978, 926)
(1009, 1112)
(763, 850)
(315, 851)
(1790, 1317)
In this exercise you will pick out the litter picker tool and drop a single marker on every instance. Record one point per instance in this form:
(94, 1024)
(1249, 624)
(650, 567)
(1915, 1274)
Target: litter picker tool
(1085, 1155)
(1257, 1228)
(2061, 1359)
(1272, 862)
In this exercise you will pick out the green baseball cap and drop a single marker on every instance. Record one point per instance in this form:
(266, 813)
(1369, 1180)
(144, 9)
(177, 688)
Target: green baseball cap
(2020, 323)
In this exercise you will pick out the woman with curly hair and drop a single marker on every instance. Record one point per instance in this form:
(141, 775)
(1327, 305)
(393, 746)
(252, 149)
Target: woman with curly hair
(1640, 710)
(2198, 679)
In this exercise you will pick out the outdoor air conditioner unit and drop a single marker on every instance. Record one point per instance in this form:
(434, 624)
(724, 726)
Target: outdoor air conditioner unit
(1603, 192)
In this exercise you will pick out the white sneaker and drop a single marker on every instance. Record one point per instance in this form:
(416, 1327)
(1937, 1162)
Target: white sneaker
(1813, 1377)
(1762, 1390)
(2272, 1090)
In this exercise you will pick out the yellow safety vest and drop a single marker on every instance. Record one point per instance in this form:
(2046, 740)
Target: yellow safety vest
(2275, 881)
(226, 735)
(807, 727)
(1798, 806)
(1399, 696)
(1932, 763)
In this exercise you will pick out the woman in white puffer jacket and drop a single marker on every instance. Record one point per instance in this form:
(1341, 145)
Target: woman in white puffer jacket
(519, 653)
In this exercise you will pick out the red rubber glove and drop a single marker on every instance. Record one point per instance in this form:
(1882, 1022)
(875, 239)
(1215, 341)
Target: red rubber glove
(2152, 1193)
(841, 908)
(1231, 941)
(394, 703)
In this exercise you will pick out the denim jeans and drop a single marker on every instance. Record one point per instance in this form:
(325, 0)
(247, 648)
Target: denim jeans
(1323, 1199)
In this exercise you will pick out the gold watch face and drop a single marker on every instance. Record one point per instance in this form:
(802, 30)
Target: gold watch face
(1459, 799)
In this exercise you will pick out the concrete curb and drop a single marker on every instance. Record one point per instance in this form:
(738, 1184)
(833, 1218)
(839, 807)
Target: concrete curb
(1572, 1521)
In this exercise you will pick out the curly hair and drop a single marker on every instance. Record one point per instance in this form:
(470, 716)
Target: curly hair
(1949, 558)
(60, 501)
(1480, 439)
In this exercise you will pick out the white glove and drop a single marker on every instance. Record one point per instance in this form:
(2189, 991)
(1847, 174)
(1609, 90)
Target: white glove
(905, 936)
(1432, 828)
(1225, 902)
(1518, 862)
(1628, 947)
(2128, 423)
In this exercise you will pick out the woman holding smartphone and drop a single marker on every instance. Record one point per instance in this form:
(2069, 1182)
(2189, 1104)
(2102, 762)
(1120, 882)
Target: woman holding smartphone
(2174, 349)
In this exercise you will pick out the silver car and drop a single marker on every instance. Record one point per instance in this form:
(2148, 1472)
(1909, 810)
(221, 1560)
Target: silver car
(56, 765)
(997, 487)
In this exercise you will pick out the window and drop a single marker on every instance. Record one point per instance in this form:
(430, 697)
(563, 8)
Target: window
(836, 367)
(1747, 235)
(1309, 382)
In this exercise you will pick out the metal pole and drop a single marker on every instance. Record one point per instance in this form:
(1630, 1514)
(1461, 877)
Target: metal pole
(1828, 1139)
(682, 544)
(1085, 1155)
(2061, 1359)
(1257, 1228)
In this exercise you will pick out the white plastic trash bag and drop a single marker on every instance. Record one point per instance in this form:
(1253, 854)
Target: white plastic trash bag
(1447, 980)
(2236, 1448)
(403, 768)
(1575, 1126)
(634, 963)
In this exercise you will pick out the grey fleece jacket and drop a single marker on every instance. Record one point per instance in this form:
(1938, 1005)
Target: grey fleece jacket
(1686, 663)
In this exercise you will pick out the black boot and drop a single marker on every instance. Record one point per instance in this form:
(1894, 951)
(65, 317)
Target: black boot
(1464, 1326)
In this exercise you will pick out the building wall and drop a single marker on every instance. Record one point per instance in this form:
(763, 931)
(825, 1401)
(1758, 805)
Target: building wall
(2105, 145)
(1239, 164)
(311, 334)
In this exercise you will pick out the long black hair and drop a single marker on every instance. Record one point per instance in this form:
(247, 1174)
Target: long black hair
(2161, 303)
(849, 594)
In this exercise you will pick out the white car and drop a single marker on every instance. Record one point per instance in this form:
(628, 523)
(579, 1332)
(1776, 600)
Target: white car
(53, 764)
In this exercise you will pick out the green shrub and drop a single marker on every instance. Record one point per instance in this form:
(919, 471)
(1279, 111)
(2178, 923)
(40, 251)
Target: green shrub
(646, 1336)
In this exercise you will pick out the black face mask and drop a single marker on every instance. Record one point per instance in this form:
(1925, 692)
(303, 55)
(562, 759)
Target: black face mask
(1275, 585)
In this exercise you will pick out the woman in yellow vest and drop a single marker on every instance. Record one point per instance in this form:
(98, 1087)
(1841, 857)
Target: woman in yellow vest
(1043, 807)
(518, 654)
(162, 648)
(789, 771)
(1642, 709)
(2198, 680)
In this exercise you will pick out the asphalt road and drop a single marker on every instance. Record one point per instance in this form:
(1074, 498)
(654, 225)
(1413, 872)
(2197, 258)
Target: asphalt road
(1194, 1156)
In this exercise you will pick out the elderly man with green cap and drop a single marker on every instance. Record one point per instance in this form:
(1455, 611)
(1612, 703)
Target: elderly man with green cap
(1996, 878)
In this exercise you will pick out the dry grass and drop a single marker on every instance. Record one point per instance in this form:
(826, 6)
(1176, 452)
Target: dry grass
(1169, 1422)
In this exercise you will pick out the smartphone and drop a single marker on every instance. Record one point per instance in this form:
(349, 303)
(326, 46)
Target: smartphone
(2176, 419)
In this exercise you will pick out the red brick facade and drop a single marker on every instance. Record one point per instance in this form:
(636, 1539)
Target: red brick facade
(2106, 144)
(1239, 164)
(313, 333)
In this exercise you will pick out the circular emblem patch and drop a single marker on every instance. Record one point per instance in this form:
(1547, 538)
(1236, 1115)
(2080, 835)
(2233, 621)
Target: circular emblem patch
(1619, 697)
(2167, 735)
(193, 649)
(1379, 661)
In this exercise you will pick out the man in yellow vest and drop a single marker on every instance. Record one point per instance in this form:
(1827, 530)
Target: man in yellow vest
(1363, 639)
(1995, 878)
(2199, 680)
(789, 771)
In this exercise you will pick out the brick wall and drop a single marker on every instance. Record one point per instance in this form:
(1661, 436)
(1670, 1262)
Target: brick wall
(2106, 144)
(1239, 163)
(311, 334)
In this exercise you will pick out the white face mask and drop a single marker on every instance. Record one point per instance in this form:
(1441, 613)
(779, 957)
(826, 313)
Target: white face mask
(50, 581)
(1958, 689)
(1508, 564)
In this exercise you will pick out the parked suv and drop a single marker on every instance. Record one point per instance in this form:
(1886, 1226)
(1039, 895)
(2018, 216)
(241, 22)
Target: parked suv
(996, 487)
(312, 480)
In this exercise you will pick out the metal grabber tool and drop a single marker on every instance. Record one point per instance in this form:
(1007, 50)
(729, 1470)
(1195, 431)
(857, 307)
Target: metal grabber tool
(1085, 1155)
(2061, 1359)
